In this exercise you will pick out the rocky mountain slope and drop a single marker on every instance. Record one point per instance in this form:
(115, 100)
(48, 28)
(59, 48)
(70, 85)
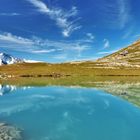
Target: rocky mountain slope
(127, 57)
(6, 59)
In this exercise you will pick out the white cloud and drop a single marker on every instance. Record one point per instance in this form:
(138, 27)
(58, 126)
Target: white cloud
(60, 56)
(85, 58)
(18, 43)
(103, 53)
(15, 39)
(107, 52)
(9, 14)
(43, 51)
(77, 46)
(91, 36)
(116, 14)
(136, 37)
(31, 61)
(124, 15)
(106, 43)
(42, 7)
(37, 45)
(128, 32)
(60, 16)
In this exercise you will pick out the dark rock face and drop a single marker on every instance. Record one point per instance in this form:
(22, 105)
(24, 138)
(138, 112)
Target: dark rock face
(8, 132)
(124, 53)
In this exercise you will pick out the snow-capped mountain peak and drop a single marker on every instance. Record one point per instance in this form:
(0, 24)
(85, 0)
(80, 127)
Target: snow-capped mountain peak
(6, 59)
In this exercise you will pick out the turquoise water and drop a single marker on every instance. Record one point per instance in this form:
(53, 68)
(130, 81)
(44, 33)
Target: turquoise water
(62, 113)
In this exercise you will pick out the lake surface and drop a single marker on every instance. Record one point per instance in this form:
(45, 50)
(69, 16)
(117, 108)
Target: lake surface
(68, 113)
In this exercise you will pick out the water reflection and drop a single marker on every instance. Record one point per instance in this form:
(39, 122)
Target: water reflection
(7, 89)
(60, 113)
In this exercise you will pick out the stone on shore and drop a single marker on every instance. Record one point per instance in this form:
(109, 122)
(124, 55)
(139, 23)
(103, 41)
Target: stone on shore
(8, 132)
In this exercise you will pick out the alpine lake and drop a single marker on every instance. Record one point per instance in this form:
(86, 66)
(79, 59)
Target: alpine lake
(107, 111)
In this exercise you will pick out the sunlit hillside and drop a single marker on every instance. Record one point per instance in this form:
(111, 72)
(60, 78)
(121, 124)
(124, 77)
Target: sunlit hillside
(128, 57)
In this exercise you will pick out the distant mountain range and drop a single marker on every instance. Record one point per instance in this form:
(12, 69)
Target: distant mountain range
(6, 59)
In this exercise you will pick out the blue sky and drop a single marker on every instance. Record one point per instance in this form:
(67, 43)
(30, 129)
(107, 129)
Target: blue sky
(67, 30)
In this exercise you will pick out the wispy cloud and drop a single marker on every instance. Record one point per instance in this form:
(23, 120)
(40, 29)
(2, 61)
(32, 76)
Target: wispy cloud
(106, 43)
(9, 14)
(136, 36)
(60, 56)
(124, 12)
(37, 45)
(43, 51)
(128, 32)
(15, 39)
(116, 14)
(107, 52)
(66, 20)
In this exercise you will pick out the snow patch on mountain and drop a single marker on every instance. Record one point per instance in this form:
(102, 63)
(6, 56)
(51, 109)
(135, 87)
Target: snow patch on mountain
(6, 59)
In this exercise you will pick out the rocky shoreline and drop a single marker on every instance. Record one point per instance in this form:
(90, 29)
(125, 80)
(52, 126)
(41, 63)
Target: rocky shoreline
(9, 132)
